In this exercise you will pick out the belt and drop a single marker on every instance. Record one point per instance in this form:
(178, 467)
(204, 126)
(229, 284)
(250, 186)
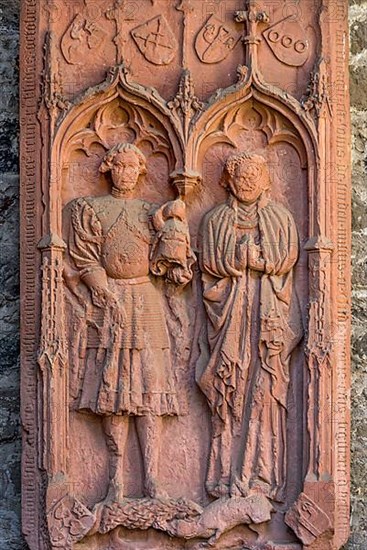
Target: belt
(132, 281)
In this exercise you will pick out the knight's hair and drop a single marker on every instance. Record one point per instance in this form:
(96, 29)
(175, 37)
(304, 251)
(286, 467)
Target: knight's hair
(236, 160)
(108, 159)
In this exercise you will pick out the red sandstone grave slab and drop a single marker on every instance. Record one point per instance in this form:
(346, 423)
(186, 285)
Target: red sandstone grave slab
(185, 274)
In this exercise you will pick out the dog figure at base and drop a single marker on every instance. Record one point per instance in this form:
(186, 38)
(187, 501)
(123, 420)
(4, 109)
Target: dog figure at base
(221, 516)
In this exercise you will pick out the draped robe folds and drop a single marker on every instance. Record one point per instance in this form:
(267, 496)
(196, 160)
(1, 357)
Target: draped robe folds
(126, 360)
(253, 326)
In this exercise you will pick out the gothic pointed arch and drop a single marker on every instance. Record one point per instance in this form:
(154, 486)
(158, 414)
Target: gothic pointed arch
(116, 110)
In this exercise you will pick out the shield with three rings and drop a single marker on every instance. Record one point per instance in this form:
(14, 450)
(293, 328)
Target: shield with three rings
(288, 42)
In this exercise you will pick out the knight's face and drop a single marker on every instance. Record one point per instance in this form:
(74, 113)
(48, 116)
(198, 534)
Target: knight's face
(247, 183)
(125, 171)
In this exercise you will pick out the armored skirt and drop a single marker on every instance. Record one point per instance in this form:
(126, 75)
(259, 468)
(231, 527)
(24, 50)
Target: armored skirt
(127, 358)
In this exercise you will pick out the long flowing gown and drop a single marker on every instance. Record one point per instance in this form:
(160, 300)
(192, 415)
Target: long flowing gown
(253, 326)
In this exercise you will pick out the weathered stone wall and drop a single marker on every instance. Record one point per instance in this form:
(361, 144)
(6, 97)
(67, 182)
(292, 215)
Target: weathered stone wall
(358, 90)
(10, 538)
(10, 444)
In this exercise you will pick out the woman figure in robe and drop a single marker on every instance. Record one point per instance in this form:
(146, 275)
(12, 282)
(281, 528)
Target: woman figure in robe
(248, 248)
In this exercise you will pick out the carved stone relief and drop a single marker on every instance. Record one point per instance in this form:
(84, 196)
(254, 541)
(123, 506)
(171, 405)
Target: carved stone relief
(82, 35)
(254, 323)
(186, 305)
(288, 41)
(215, 41)
(156, 40)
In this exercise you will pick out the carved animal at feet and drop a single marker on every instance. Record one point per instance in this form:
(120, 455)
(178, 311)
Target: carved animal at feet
(221, 516)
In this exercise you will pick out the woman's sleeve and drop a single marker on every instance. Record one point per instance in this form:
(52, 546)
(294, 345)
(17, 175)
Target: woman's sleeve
(218, 249)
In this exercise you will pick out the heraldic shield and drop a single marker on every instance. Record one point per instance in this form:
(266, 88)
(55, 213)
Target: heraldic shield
(215, 41)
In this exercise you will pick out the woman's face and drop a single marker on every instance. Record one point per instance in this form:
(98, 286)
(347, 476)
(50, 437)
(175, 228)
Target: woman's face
(247, 183)
(125, 170)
